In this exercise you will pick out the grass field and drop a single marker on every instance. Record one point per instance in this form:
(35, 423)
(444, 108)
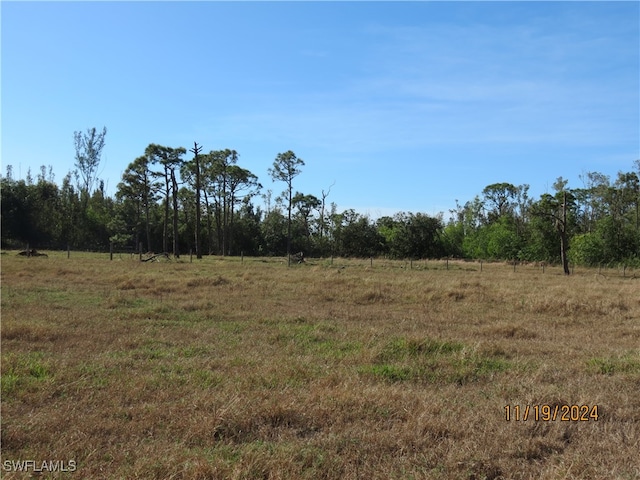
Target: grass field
(328, 370)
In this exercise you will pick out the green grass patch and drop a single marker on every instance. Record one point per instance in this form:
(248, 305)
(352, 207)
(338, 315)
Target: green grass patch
(96, 374)
(401, 348)
(51, 297)
(194, 351)
(433, 361)
(21, 372)
(391, 373)
(232, 327)
(628, 363)
(206, 379)
(151, 352)
(304, 338)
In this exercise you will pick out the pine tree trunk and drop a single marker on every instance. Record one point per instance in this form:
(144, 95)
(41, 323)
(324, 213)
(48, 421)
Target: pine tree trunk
(198, 249)
(564, 240)
(176, 252)
(563, 252)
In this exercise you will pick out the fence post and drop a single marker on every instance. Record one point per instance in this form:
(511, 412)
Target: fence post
(140, 250)
(111, 251)
(480, 265)
(68, 250)
(371, 261)
(447, 263)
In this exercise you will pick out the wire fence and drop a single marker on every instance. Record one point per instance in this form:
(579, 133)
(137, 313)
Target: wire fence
(376, 263)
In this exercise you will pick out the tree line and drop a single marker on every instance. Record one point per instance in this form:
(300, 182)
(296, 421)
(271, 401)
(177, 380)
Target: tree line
(166, 202)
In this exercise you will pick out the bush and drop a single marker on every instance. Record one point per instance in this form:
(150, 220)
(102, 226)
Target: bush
(587, 250)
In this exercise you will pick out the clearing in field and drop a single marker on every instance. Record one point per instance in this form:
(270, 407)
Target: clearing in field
(327, 370)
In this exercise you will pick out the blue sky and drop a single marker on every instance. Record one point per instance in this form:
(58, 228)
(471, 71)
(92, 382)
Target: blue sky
(406, 106)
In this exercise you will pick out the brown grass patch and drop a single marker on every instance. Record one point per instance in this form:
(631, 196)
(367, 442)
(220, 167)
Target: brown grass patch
(29, 332)
(208, 281)
(518, 332)
(222, 369)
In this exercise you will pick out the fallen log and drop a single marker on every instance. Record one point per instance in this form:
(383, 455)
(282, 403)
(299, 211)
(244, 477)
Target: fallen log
(154, 258)
(32, 252)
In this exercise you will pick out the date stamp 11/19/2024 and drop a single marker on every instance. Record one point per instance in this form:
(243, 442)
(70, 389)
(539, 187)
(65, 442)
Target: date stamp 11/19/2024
(551, 413)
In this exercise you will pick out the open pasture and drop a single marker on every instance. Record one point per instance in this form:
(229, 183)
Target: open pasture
(251, 370)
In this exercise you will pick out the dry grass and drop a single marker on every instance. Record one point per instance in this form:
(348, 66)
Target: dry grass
(329, 370)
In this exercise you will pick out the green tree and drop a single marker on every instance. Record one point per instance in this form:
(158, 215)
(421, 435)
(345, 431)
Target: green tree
(225, 186)
(541, 241)
(559, 209)
(305, 205)
(611, 212)
(463, 229)
(502, 240)
(98, 217)
(71, 212)
(88, 147)
(625, 205)
(356, 235)
(587, 249)
(409, 235)
(453, 240)
(242, 186)
(590, 201)
(247, 234)
(208, 186)
(16, 211)
(500, 199)
(198, 188)
(169, 159)
(187, 217)
(285, 168)
(222, 160)
(138, 189)
(274, 233)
